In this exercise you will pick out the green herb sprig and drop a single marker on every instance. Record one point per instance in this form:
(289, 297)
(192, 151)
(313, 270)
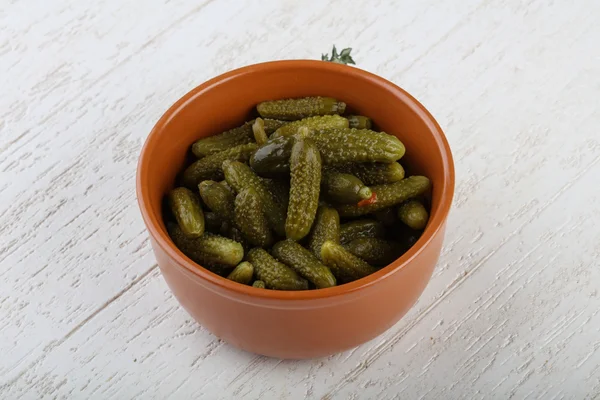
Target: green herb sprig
(342, 58)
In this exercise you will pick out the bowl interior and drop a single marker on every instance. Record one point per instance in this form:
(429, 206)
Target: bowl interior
(229, 100)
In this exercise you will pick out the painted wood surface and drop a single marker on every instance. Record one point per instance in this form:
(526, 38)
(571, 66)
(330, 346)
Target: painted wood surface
(513, 309)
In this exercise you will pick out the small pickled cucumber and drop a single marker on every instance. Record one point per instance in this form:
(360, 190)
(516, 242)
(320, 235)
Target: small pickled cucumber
(344, 188)
(239, 176)
(304, 262)
(250, 219)
(374, 251)
(360, 229)
(187, 211)
(339, 146)
(305, 181)
(258, 284)
(293, 109)
(232, 138)
(218, 198)
(359, 122)
(414, 214)
(242, 273)
(388, 195)
(210, 167)
(274, 274)
(374, 173)
(223, 141)
(326, 227)
(317, 124)
(217, 253)
(345, 266)
(258, 128)
(272, 159)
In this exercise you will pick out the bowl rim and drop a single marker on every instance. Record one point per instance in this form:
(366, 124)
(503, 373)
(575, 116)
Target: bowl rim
(436, 223)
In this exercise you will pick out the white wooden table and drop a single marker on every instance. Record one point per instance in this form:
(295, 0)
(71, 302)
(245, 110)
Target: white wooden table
(513, 309)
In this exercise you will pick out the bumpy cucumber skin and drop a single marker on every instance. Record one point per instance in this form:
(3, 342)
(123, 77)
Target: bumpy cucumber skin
(218, 198)
(187, 211)
(345, 266)
(304, 262)
(326, 227)
(316, 124)
(294, 109)
(259, 284)
(373, 173)
(210, 167)
(243, 273)
(340, 146)
(305, 182)
(216, 253)
(232, 138)
(239, 176)
(274, 274)
(389, 195)
(250, 219)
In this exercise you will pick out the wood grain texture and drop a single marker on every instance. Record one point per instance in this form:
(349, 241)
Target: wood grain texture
(512, 310)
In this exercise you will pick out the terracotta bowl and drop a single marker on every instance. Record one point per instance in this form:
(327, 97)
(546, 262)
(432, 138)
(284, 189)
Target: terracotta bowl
(301, 324)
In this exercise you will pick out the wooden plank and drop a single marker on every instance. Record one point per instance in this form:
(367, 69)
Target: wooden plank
(93, 318)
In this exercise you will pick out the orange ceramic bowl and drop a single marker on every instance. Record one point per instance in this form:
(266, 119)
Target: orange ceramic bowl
(300, 324)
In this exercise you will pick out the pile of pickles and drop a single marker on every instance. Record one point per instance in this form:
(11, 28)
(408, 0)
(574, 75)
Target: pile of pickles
(302, 197)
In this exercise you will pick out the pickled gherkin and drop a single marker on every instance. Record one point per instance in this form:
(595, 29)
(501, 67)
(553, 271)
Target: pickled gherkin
(239, 176)
(360, 229)
(325, 187)
(389, 195)
(344, 188)
(359, 122)
(218, 198)
(305, 181)
(374, 173)
(274, 274)
(326, 227)
(210, 167)
(217, 253)
(374, 251)
(187, 211)
(272, 159)
(258, 128)
(339, 146)
(414, 214)
(318, 124)
(232, 138)
(215, 144)
(243, 273)
(293, 109)
(304, 262)
(250, 219)
(345, 266)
